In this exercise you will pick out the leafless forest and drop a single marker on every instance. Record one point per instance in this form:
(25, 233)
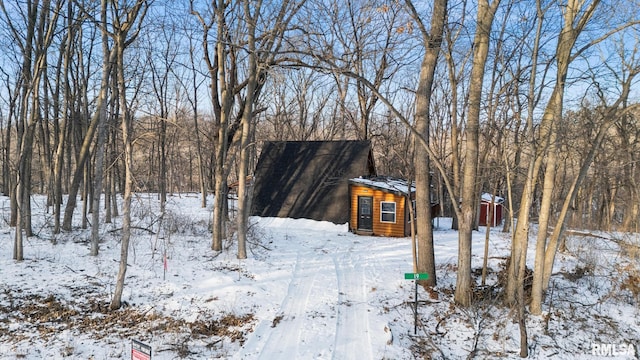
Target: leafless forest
(534, 101)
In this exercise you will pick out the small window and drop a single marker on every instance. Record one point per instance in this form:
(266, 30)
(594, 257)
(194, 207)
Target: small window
(388, 212)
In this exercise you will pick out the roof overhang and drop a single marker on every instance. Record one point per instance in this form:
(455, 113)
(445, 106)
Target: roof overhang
(390, 185)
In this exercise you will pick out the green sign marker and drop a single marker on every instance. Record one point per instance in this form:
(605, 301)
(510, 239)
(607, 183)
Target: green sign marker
(416, 276)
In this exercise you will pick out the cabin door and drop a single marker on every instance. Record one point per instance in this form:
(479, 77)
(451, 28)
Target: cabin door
(365, 213)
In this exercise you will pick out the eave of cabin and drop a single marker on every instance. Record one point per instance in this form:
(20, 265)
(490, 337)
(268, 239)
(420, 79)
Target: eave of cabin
(390, 185)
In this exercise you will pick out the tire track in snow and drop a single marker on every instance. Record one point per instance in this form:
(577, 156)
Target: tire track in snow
(353, 333)
(297, 322)
(325, 312)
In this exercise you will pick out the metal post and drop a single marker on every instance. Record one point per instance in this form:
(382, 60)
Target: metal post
(415, 310)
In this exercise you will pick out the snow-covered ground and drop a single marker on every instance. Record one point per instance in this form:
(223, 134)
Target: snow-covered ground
(309, 290)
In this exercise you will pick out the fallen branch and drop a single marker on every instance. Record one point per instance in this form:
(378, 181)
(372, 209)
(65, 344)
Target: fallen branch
(135, 228)
(579, 233)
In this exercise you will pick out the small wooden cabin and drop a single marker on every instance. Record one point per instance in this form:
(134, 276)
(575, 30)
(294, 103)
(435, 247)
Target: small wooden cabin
(487, 207)
(378, 206)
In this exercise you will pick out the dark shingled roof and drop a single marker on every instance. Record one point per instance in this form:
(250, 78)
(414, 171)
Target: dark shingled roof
(309, 179)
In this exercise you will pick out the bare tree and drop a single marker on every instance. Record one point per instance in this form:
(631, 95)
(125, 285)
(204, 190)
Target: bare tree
(191, 86)
(161, 67)
(237, 78)
(78, 173)
(432, 40)
(101, 114)
(486, 14)
(222, 67)
(261, 56)
(455, 71)
(247, 122)
(576, 17)
(546, 251)
(39, 31)
(125, 20)
(63, 128)
(8, 175)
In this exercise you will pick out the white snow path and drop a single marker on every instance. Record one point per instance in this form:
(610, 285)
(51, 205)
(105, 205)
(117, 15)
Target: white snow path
(326, 312)
(353, 338)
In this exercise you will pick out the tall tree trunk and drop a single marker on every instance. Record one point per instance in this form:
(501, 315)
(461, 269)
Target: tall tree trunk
(116, 163)
(22, 129)
(521, 235)
(245, 137)
(545, 256)
(107, 196)
(41, 22)
(219, 213)
(575, 19)
(202, 177)
(163, 162)
(486, 14)
(433, 43)
(86, 190)
(7, 174)
(62, 138)
(223, 79)
(22, 192)
(78, 174)
(543, 225)
(455, 146)
(27, 177)
(120, 43)
(116, 302)
(194, 103)
(243, 198)
(101, 140)
(45, 141)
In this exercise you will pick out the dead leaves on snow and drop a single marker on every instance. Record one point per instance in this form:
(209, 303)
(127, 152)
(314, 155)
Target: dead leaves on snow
(48, 315)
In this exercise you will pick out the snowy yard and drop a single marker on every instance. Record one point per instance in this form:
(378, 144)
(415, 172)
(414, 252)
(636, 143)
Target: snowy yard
(309, 290)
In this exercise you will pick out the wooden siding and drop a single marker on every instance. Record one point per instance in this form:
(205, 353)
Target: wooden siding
(396, 229)
(485, 213)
